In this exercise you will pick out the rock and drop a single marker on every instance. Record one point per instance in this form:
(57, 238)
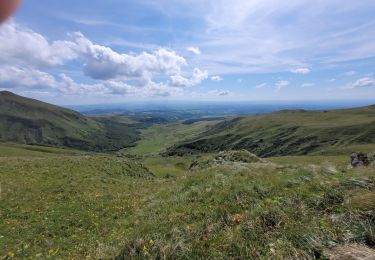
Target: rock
(359, 159)
(350, 252)
(231, 157)
(363, 183)
(371, 157)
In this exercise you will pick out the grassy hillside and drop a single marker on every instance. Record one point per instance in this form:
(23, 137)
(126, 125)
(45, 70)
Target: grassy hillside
(157, 138)
(294, 132)
(28, 121)
(17, 150)
(68, 204)
(99, 207)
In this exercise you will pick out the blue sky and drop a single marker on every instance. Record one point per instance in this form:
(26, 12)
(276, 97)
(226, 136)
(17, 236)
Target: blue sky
(82, 52)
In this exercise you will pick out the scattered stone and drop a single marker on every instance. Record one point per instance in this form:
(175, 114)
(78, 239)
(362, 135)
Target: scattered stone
(359, 159)
(350, 252)
(363, 183)
(233, 157)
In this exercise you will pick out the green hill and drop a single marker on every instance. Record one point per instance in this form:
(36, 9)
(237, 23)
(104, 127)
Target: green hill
(57, 205)
(289, 132)
(29, 121)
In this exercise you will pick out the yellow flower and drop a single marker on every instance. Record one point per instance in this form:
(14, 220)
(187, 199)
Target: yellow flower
(151, 242)
(145, 250)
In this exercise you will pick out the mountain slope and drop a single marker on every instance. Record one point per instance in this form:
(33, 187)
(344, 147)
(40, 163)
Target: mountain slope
(29, 121)
(289, 132)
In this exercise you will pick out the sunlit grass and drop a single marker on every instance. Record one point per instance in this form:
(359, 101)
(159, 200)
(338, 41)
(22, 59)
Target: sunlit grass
(104, 206)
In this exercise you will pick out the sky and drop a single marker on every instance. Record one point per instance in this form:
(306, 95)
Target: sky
(113, 51)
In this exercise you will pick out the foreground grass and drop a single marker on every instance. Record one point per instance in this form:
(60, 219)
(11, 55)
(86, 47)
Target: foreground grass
(107, 206)
(253, 212)
(68, 206)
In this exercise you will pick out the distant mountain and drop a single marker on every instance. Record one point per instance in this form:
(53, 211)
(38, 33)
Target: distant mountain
(288, 132)
(29, 121)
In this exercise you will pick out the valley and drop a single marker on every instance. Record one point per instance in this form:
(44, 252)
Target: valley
(207, 189)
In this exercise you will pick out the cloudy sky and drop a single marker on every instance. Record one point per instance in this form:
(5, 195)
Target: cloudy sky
(82, 52)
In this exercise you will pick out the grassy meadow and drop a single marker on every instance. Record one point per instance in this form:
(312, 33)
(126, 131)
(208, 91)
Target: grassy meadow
(59, 203)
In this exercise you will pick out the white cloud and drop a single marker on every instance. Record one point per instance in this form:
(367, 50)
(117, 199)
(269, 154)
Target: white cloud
(303, 71)
(350, 73)
(220, 93)
(11, 76)
(197, 77)
(363, 82)
(307, 85)
(262, 85)
(216, 78)
(101, 62)
(22, 46)
(275, 36)
(24, 52)
(281, 84)
(194, 50)
(32, 79)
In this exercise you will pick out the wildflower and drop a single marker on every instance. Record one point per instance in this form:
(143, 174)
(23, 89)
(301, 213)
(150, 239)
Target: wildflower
(53, 252)
(235, 220)
(151, 242)
(145, 250)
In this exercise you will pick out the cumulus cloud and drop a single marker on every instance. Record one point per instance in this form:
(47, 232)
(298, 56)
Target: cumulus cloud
(363, 83)
(281, 84)
(303, 71)
(22, 46)
(194, 50)
(102, 62)
(31, 79)
(262, 85)
(216, 78)
(11, 76)
(307, 85)
(22, 64)
(197, 77)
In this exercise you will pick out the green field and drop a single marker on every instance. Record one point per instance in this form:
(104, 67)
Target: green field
(59, 203)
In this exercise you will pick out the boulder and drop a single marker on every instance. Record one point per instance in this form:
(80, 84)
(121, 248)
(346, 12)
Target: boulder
(359, 159)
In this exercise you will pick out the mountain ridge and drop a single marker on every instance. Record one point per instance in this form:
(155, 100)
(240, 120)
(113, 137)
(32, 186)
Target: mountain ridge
(287, 132)
(30, 121)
